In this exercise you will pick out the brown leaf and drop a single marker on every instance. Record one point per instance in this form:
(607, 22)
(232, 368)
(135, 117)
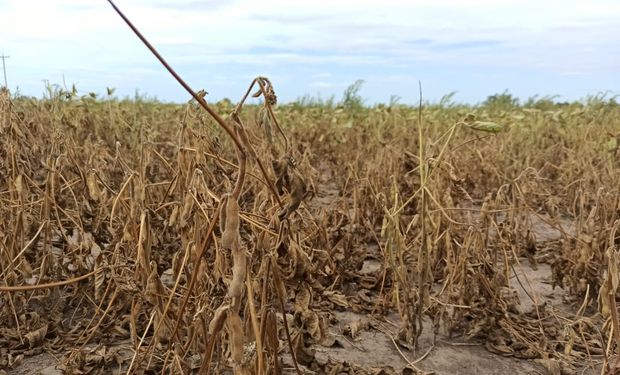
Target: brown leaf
(302, 299)
(352, 329)
(271, 332)
(36, 337)
(337, 298)
(552, 366)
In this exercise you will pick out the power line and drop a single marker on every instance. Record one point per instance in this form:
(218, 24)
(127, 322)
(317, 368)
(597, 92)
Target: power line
(4, 57)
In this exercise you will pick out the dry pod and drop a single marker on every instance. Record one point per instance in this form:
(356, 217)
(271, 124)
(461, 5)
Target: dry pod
(235, 330)
(230, 223)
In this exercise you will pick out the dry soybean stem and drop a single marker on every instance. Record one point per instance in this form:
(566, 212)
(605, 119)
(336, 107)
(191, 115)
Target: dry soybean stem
(196, 97)
(22, 288)
(276, 276)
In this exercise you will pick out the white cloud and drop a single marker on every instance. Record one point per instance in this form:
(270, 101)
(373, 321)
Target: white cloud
(82, 38)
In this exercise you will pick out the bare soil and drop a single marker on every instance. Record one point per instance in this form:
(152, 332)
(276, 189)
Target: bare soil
(375, 345)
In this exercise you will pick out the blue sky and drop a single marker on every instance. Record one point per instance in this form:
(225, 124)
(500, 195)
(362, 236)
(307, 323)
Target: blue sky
(477, 48)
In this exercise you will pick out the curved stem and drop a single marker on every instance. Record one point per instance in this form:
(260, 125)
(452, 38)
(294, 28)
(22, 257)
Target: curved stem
(273, 116)
(199, 99)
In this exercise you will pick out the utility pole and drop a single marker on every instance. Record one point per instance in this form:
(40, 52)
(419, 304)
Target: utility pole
(4, 57)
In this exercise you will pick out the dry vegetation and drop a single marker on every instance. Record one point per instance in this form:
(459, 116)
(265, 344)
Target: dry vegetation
(139, 237)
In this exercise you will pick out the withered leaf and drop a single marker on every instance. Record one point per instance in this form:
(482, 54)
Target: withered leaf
(337, 298)
(36, 337)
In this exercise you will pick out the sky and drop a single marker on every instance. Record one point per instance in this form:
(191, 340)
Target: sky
(475, 48)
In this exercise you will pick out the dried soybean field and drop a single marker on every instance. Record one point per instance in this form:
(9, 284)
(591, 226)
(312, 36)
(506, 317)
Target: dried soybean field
(139, 237)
